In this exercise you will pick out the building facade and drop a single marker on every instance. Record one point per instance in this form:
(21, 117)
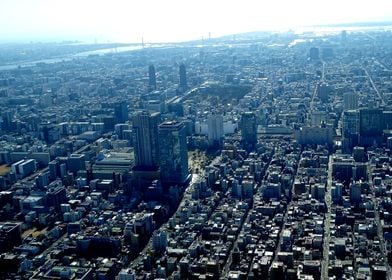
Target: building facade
(145, 139)
(173, 152)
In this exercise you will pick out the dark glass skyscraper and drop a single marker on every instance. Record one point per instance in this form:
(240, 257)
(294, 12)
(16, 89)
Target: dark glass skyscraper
(183, 81)
(248, 128)
(152, 81)
(145, 139)
(370, 122)
(173, 152)
(120, 112)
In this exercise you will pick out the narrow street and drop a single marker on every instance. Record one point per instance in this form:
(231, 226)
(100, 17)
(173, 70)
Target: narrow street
(327, 223)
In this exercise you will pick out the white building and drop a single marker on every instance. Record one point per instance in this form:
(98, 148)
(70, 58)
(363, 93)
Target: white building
(215, 129)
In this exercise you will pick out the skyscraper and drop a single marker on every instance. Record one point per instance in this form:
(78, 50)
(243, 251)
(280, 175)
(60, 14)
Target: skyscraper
(183, 82)
(145, 139)
(248, 128)
(350, 129)
(120, 112)
(152, 82)
(370, 122)
(323, 90)
(350, 125)
(215, 130)
(173, 152)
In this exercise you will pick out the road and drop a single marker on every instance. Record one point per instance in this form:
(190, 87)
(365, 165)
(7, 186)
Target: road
(226, 268)
(380, 234)
(289, 204)
(311, 105)
(374, 86)
(327, 223)
(186, 197)
(46, 252)
(382, 65)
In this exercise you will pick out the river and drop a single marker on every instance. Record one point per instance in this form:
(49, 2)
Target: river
(70, 57)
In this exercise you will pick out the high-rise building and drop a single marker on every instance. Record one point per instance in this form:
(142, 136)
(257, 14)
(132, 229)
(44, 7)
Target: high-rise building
(120, 112)
(350, 125)
(159, 241)
(55, 196)
(76, 162)
(350, 129)
(183, 81)
(215, 130)
(370, 122)
(6, 120)
(54, 169)
(152, 82)
(387, 119)
(9, 236)
(350, 101)
(248, 126)
(173, 152)
(145, 139)
(323, 90)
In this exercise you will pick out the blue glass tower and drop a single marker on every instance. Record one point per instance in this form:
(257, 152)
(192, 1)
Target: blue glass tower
(173, 152)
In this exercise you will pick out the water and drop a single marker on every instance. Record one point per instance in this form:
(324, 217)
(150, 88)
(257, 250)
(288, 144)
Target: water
(305, 31)
(70, 57)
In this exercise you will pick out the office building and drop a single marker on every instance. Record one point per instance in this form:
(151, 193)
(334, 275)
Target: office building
(387, 119)
(183, 80)
(370, 122)
(248, 128)
(323, 90)
(355, 191)
(55, 196)
(159, 241)
(173, 152)
(54, 169)
(215, 130)
(350, 129)
(314, 135)
(9, 236)
(350, 123)
(152, 82)
(120, 112)
(24, 167)
(145, 139)
(76, 162)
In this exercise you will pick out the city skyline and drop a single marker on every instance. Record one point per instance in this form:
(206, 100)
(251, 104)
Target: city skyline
(122, 21)
(253, 155)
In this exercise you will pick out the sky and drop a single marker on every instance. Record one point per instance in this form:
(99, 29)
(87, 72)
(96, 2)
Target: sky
(172, 20)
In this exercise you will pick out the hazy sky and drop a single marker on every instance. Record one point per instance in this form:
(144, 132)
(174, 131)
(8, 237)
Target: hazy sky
(171, 20)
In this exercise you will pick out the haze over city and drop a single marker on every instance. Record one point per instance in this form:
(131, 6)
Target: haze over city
(172, 20)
